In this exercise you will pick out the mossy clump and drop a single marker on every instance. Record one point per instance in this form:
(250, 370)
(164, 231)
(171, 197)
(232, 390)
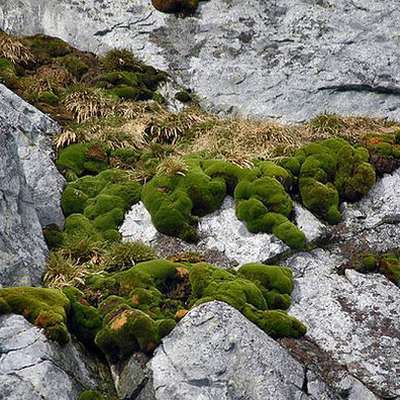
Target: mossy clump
(174, 202)
(256, 290)
(45, 308)
(389, 265)
(95, 205)
(176, 6)
(83, 159)
(84, 320)
(183, 96)
(330, 171)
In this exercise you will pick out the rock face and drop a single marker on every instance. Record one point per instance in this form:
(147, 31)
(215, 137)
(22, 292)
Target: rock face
(216, 353)
(22, 247)
(30, 188)
(355, 317)
(33, 368)
(287, 60)
(32, 131)
(223, 238)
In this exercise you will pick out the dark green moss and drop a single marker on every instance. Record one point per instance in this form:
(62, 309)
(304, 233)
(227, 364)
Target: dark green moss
(48, 98)
(91, 395)
(183, 96)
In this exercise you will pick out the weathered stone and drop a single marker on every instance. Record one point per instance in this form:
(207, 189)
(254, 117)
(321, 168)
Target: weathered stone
(32, 131)
(31, 367)
(216, 353)
(287, 60)
(22, 247)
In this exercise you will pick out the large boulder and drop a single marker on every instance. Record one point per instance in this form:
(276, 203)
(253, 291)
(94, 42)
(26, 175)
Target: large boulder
(216, 353)
(287, 60)
(32, 368)
(22, 247)
(33, 131)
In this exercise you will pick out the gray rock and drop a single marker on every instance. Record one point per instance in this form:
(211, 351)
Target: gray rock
(22, 247)
(216, 353)
(33, 131)
(287, 60)
(353, 317)
(31, 367)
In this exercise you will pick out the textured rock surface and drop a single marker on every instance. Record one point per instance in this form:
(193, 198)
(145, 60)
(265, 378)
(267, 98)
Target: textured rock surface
(220, 233)
(216, 353)
(33, 368)
(32, 131)
(22, 247)
(288, 59)
(356, 317)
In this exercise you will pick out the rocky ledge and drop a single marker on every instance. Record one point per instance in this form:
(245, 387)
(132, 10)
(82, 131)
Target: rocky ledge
(288, 60)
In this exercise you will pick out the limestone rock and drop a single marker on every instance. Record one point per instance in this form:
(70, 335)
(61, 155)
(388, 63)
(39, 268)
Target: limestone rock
(31, 367)
(22, 247)
(216, 353)
(287, 60)
(32, 131)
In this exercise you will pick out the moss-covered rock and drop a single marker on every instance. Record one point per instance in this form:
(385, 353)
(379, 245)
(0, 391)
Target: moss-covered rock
(46, 308)
(176, 6)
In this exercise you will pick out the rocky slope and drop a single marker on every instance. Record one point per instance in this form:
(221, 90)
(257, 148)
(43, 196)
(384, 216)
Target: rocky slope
(214, 351)
(286, 60)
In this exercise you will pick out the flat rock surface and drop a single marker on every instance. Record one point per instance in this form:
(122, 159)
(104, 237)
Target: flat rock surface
(287, 60)
(32, 368)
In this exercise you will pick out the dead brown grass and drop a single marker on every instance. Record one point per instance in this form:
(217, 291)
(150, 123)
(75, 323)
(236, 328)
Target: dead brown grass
(14, 50)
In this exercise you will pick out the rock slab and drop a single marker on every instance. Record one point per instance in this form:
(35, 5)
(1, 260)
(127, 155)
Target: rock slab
(287, 60)
(32, 368)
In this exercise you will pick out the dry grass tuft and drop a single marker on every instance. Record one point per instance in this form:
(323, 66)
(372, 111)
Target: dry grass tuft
(63, 271)
(14, 50)
(172, 166)
(89, 103)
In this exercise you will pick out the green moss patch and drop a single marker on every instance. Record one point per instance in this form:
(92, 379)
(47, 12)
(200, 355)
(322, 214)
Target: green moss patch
(46, 308)
(56, 70)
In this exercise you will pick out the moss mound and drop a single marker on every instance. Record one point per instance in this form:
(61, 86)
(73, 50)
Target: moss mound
(95, 205)
(45, 308)
(387, 264)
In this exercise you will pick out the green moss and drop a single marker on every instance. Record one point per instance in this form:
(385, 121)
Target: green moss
(390, 266)
(48, 98)
(91, 395)
(369, 262)
(53, 236)
(126, 330)
(176, 6)
(47, 47)
(73, 200)
(7, 73)
(183, 96)
(83, 158)
(269, 276)
(84, 320)
(275, 323)
(75, 65)
(132, 93)
(46, 308)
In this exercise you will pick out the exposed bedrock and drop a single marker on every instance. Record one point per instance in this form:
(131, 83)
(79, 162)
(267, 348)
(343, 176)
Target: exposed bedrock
(287, 60)
(30, 188)
(32, 367)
